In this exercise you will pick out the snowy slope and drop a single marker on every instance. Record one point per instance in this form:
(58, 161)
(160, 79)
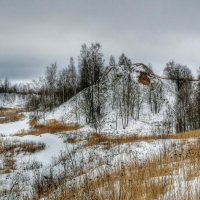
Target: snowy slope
(148, 121)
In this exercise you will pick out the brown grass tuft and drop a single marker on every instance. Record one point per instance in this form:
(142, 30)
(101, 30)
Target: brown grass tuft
(9, 165)
(18, 147)
(8, 149)
(108, 141)
(33, 123)
(10, 115)
(185, 135)
(52, 126)
(71, 140)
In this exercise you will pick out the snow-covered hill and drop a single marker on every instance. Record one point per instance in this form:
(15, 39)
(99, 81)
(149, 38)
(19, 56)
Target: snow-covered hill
(143, 119)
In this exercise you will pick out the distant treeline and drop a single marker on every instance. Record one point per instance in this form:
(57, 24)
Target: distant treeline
(7, 87)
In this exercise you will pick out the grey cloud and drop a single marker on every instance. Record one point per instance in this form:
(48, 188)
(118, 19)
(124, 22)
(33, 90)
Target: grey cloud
(34, 34)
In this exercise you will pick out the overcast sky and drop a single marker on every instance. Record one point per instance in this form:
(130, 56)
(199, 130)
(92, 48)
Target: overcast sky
(35, 33)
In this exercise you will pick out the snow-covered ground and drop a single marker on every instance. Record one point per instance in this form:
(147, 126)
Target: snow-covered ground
(90, 159)
(14, 127)
(53, 146)
(61, 158)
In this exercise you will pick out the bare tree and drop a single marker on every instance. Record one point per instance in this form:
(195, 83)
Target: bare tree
(91, 64)
(180, 75)
(112, 61)
(51, 78)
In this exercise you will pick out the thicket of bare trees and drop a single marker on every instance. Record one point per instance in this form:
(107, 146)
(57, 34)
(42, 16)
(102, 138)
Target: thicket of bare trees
(155, 96)
(55, 88)
(7, 87)
(91, 66)
(124, 91)
(195, 115)
(187, 102)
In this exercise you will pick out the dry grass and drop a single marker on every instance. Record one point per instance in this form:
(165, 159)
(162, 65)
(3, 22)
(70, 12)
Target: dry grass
(10, 115)
(9, 149)
(71, 140)
(108, 141)
(52, 126)
(138, 181)
(148, 180)
(141, 181)
(33, 123)
(185, 135)
(19, 147)
(9, 165)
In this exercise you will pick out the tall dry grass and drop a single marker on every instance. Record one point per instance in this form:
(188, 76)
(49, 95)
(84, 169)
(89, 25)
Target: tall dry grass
(51, 126)
(9, 149)
(108, 141)
(10, 115)
(170, 175)
(167, 176)
(19, 146)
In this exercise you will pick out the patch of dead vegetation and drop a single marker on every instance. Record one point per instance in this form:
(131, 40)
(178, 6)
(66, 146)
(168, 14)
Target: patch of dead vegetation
(71, 140)
(10, 115)
(151, 179)
(20, 147)
(185, 135)
(8, 165)
(9, 149)
(51, 126)
(108, 141)
(138, 181)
